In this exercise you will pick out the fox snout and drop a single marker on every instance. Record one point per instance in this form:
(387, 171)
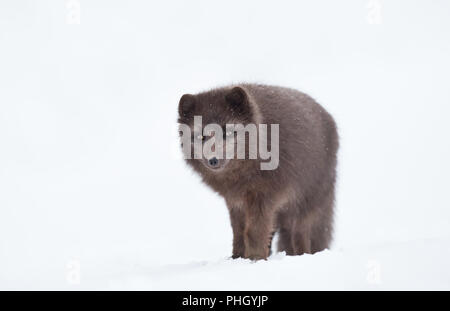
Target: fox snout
(214, 163)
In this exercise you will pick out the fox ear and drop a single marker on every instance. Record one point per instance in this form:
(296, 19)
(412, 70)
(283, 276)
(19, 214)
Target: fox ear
(238, 100)
(186, 105)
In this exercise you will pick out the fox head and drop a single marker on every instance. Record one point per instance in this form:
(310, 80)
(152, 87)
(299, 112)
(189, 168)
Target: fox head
(208, 133)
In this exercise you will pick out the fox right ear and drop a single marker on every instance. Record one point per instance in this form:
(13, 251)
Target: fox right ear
(186, 105)
(238, 99)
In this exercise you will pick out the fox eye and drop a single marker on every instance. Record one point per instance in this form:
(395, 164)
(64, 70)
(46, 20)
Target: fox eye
(200, 137)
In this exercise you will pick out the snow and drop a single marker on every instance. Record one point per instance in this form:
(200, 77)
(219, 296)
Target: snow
(93, 191)
(390, 267)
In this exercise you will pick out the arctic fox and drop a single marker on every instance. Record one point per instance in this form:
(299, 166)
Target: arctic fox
(294, 193)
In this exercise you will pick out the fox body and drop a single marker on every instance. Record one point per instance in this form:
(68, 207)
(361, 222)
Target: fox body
(296, 197)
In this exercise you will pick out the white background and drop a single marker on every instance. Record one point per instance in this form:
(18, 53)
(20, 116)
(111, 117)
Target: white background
(91, 179)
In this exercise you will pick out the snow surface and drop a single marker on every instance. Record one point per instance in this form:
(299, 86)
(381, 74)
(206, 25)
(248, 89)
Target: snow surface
(94, 195)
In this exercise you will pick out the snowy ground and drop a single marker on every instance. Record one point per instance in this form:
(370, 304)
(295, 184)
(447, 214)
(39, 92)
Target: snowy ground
(417, 265)
(94, 195)
(412, 265)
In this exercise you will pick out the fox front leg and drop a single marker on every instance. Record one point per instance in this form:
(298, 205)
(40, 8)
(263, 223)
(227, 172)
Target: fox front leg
(237, 217)
(258, 232)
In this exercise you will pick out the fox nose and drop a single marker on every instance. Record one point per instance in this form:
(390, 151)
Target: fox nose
(213, 162)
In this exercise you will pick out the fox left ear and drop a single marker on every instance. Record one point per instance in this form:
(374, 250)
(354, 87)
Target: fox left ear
(238, 99)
